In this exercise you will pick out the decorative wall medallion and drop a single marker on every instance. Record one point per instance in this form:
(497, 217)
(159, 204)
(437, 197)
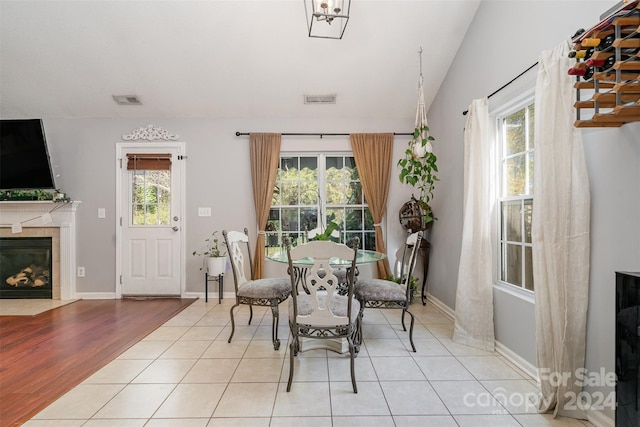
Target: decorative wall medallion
(150, 133)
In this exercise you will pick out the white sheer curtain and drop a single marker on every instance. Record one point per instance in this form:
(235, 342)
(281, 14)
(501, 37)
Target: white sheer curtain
(560, 235)
(474, 294)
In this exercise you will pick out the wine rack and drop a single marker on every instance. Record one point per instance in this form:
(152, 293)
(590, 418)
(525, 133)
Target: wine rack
(610, 71)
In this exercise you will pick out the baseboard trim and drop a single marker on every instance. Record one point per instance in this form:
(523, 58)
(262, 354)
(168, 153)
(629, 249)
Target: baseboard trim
(599, 419)
(445, 309)
(520, 362)
(213, 296)
(95, 295)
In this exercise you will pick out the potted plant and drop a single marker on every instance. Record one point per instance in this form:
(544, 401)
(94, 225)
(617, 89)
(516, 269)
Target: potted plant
(418, 168)
(413, 284)
(216, 258)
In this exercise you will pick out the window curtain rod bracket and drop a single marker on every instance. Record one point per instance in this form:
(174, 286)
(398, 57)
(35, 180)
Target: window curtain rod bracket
(322, 134)
(465, 112)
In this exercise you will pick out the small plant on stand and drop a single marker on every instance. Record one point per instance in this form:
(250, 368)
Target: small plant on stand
(215, 257)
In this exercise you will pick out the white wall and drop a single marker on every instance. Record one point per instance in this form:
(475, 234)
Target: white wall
(218, 176)
(504, 39)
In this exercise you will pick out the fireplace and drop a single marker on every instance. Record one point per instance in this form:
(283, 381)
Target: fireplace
(25, 267)
(43, 219)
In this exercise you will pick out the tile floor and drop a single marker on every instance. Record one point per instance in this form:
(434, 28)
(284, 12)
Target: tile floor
(186, 374)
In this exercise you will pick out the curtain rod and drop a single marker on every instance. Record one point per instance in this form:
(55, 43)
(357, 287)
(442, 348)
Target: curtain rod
(464, 113)
(319, 134)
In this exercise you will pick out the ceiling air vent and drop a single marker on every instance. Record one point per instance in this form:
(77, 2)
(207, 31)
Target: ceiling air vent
(319, 99)
(127, 100)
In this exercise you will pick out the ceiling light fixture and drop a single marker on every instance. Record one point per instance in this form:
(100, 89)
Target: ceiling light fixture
(327, 19)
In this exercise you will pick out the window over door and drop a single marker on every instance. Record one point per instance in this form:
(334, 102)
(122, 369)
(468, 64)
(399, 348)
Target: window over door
(314, 190)
(515, 201)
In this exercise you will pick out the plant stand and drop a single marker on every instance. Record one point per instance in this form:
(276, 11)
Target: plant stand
(220, 279)
(425, 248)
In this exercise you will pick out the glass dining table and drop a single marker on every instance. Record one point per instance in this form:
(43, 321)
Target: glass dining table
(300, 267)
(364, 256)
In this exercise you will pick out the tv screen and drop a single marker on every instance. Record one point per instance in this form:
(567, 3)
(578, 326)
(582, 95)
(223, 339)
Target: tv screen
(24, 158)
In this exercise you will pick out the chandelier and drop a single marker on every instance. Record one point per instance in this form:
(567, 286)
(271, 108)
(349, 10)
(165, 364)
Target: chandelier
(327, 19)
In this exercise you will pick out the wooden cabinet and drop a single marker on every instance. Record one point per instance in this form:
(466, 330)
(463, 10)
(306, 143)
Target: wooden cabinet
(610, 96)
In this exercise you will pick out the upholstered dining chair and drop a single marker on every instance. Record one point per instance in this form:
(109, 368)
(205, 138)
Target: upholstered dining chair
(322, 314)
(381, 293)
(261, 292)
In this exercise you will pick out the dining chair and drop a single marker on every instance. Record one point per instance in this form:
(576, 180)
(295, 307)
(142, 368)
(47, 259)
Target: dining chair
(322, 313)
(382, 293)
(340, 273)
(268, 292)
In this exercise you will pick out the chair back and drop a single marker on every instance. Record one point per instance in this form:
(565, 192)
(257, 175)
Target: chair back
(322, 284)
(409, 257)
(237, 245)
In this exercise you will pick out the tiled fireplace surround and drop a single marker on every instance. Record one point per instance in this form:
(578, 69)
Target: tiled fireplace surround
(62, 230)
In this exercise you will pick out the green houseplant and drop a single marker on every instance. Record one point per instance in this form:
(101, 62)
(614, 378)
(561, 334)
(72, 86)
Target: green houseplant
(418, 168)
(215, 258)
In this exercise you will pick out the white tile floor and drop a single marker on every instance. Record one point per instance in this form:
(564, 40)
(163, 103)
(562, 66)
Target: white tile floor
(186, 374)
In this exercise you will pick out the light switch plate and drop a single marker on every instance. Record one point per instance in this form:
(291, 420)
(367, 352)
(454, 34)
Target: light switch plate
(204, 211)
(102, 213)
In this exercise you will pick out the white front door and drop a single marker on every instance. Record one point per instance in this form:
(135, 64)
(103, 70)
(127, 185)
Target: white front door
(151, 221)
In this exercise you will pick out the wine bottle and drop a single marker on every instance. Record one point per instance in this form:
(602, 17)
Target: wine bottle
(608, 63)
(581, 54)
(590, 42)
(607, 41)
(578, 69)
(588, 74)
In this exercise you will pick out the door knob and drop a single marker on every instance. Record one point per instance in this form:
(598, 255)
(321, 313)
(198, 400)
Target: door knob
(175, 218)
(175, 228)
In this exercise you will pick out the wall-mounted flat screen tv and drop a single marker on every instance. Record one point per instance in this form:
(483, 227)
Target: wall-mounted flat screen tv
(24, 158)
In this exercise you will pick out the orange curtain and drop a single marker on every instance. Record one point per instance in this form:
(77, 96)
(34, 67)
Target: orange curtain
(372, 152)
(264, 153)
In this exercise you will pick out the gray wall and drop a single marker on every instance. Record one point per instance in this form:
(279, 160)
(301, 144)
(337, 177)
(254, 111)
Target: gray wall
(217, 176)
(504, 39)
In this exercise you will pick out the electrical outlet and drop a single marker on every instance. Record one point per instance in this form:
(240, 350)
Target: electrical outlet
(80, 271)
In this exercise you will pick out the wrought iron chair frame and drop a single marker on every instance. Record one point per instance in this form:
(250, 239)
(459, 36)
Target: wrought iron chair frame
(326, 328)
(410, 254)
(234, 240)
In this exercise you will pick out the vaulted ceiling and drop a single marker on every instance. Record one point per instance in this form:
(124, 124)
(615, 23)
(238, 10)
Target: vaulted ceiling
(221, 59)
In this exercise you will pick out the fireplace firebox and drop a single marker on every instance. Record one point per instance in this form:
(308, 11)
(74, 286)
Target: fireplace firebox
(25, 267)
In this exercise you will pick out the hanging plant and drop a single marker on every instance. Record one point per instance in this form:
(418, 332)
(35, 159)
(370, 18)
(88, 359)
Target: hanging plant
(419, 166)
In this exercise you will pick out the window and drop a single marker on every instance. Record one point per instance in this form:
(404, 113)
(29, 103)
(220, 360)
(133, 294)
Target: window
(516, 144)
(150, 188)
(313, 191)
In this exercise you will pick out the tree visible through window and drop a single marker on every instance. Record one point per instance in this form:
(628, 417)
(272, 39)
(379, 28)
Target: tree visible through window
(313, 191)
(516, 197)
(151, 197)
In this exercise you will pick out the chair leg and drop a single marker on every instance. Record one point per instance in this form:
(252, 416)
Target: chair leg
(274, 325)
(251, 314)
(404, 328)
(359, 332)
(292, 351)
(352, 353)
(410, 328)
(233, 323)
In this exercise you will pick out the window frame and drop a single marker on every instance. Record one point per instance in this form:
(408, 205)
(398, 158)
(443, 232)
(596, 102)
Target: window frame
(497, 116)
(322, 204)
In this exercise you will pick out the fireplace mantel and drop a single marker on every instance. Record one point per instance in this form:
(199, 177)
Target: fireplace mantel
(33, 215)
